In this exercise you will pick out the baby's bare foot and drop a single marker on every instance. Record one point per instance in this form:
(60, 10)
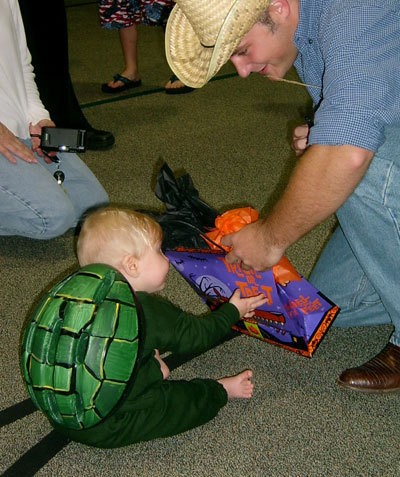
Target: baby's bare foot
(238, 386)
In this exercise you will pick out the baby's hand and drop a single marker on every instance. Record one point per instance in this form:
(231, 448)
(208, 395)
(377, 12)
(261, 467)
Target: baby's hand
(246, 306)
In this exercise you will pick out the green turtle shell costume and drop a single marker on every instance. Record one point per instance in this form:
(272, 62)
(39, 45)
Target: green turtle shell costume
(81, 347)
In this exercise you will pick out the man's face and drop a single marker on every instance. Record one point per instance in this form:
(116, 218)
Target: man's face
(266, 50)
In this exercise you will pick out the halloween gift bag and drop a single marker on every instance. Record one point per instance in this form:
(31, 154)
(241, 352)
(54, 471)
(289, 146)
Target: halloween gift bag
(296, 316)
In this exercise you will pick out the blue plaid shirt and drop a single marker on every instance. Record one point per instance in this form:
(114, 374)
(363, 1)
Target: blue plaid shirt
(349, 55)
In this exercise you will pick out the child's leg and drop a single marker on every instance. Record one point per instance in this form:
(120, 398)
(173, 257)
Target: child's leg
(164, 410)
(163, 366)
(238, 386)
(129, 41)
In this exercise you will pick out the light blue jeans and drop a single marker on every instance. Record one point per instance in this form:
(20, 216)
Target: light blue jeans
(359, 268)
(32, 204)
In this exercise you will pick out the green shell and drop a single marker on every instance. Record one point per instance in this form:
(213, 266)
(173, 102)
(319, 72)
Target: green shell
(80, 349)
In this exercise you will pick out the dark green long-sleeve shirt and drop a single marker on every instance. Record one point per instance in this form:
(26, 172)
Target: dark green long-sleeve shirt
(159, 408)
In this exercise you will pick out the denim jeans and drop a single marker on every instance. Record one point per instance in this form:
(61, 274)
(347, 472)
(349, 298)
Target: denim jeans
(359, 268)
(32, 204)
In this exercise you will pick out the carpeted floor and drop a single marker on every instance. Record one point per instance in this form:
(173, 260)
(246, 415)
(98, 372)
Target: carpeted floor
(233, 138)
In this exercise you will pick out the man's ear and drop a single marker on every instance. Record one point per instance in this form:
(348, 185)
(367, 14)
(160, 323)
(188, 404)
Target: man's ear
(279, 7)
(130, 266)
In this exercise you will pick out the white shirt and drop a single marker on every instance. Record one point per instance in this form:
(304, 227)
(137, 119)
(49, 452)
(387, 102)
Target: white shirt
(20, 103)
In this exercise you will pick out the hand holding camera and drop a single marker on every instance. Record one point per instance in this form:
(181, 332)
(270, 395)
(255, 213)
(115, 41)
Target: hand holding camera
(63, 140)
(53, 140)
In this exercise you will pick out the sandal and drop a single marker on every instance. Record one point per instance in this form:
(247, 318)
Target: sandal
(181, 90)
(127, 84)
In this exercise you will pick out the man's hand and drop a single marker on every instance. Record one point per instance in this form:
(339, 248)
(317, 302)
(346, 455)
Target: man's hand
(252, 247)
(12, 148)
(300, 139)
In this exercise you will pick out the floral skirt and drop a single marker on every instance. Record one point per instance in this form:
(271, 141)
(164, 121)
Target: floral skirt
(116, 14)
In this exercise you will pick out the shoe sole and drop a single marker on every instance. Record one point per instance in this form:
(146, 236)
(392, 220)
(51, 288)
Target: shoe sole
(184, 90)
(366, 390)
(120, 89)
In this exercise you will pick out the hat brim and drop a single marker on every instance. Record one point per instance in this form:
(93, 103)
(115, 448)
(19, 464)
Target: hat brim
(195, 64)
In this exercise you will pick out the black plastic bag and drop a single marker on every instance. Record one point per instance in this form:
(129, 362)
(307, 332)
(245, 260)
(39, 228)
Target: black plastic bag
(187, 216)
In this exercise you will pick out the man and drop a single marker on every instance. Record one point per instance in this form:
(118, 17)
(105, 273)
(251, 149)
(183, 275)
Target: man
(348, 54)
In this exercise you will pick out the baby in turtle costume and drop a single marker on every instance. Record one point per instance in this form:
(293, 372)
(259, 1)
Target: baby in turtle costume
(157, 406)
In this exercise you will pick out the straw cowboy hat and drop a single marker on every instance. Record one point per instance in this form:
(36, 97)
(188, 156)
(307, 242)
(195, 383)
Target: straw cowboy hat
(201, 35)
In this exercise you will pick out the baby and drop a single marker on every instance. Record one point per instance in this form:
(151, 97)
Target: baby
(157, 406)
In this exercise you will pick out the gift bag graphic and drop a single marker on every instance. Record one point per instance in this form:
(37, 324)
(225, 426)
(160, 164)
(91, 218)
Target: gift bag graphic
(296, 316)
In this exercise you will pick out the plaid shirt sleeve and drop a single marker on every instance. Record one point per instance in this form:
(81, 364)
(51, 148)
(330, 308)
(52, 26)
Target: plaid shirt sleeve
(355, 58)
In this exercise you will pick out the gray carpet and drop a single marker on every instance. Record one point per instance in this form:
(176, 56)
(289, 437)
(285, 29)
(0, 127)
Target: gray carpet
(233, 138)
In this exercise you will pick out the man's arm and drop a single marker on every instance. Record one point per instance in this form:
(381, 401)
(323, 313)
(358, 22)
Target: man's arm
(323, 179)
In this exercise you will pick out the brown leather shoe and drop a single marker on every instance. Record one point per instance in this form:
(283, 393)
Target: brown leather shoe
(381, 374)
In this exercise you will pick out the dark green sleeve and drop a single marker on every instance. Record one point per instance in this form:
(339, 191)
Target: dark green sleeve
(169, 328)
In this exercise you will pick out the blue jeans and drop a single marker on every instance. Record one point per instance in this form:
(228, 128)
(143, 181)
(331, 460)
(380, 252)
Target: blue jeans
(32, 204)
(359, 268)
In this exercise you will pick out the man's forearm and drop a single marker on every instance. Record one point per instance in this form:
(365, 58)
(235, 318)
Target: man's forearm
(323, 179)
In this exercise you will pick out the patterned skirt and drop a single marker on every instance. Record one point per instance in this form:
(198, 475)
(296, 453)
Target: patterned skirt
(116, 14)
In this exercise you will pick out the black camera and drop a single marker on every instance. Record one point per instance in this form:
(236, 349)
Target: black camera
(63, 140)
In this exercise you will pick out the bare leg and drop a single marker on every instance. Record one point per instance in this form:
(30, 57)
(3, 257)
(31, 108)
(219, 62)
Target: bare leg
(128, 38)
(163, 366)
(238, 386)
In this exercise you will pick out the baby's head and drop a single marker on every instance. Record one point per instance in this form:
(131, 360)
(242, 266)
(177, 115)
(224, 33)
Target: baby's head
(127, 240)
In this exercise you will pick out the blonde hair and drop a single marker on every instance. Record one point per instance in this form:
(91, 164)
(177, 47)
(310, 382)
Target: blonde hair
(110, 234)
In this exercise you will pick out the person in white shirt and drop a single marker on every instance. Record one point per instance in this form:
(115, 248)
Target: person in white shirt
(32, 202)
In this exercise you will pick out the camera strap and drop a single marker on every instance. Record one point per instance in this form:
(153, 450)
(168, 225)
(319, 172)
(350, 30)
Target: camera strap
(58, 175)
